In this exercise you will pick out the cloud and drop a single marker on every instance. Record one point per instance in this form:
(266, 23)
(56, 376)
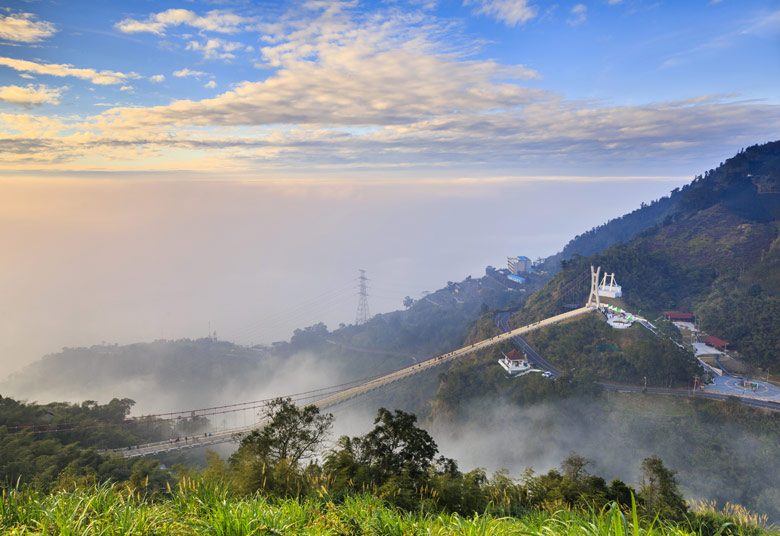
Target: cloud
(343, 89)
(510, 12)
(23, 28)
(213, 49)
(156, 23)
(181, 73)
(338, 70)
(53, 69)
(157, 78)
(579, 14)
(765, 25)
(30, 94)
(211, 84)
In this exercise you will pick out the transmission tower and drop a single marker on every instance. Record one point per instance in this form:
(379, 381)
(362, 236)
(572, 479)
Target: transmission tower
(362, 311)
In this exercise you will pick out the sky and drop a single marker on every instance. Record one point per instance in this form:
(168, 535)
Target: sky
(170, 168)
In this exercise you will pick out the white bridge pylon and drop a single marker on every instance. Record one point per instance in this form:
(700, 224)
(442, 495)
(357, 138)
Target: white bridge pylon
(593, 298)
(161, 447)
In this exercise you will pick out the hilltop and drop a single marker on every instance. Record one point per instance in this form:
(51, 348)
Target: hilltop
(717, 255)
(714, 253)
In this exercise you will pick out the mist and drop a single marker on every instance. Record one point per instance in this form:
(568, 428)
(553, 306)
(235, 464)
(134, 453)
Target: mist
(123, 261)
(616, 432)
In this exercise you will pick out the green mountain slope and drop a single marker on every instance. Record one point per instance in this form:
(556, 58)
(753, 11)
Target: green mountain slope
(717, 255)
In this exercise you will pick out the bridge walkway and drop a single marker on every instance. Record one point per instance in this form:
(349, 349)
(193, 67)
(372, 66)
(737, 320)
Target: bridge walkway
(162, 447)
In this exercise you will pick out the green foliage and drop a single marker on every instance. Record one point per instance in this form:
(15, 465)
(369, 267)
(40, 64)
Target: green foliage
(659, 490)
(198, 509)
(716, 252)
(749, 319)
(270, 459)
(109, 508)
(44, 460)
(480, 377)
(626, 356)
(292, 433)
(393, 458)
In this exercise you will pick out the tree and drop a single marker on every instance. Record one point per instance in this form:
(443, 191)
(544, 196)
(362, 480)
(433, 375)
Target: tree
(573, 467)
(395, 446)
(292, 434)
(659, 490)
(408, 302)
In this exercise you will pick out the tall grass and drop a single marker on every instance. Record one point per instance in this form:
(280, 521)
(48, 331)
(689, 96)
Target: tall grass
(194, 508)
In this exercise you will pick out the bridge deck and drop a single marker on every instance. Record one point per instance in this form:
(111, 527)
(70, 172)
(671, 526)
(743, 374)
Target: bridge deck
(161, 447)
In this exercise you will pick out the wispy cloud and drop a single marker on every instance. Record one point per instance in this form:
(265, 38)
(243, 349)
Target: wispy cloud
(765, 25)
(156, 23)
(181, 73)
(24, 28)
(578, 15)
(213, 49)
(157, 78)
(53, 69)
(510, 12)
(30, 94)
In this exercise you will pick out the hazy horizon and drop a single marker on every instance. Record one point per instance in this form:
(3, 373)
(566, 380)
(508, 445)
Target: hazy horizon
(169, 170)
(125, 261)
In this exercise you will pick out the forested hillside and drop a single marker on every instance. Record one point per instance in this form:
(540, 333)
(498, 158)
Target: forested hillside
(717, 255)
(615, 231)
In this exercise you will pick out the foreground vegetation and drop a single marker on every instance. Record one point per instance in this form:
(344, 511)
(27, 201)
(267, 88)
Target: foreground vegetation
(195, 508)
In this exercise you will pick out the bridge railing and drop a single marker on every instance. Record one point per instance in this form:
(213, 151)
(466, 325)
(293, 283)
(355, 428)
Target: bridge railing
(370, 385)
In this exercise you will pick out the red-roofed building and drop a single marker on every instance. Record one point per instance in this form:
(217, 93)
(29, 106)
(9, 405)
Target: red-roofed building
(678, 317)
(715, 342)
(514, 355)
(515, 363)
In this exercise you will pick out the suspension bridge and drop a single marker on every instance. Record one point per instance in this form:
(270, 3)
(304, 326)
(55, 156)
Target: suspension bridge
(333, 396)
(328, 397)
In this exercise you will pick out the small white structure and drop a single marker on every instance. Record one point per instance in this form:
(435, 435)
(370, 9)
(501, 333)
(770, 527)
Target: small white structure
(617, 317)
(515, 363)
(609, 288)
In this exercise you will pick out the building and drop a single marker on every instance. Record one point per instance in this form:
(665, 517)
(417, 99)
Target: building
(678, 317)
(518, 265)
(516, 278)
(715, 342)
(515, 363)
(609, 287)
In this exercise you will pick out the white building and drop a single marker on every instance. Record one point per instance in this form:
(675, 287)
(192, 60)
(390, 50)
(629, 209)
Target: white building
(515, 363)
(518, 265)
(609, 288)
